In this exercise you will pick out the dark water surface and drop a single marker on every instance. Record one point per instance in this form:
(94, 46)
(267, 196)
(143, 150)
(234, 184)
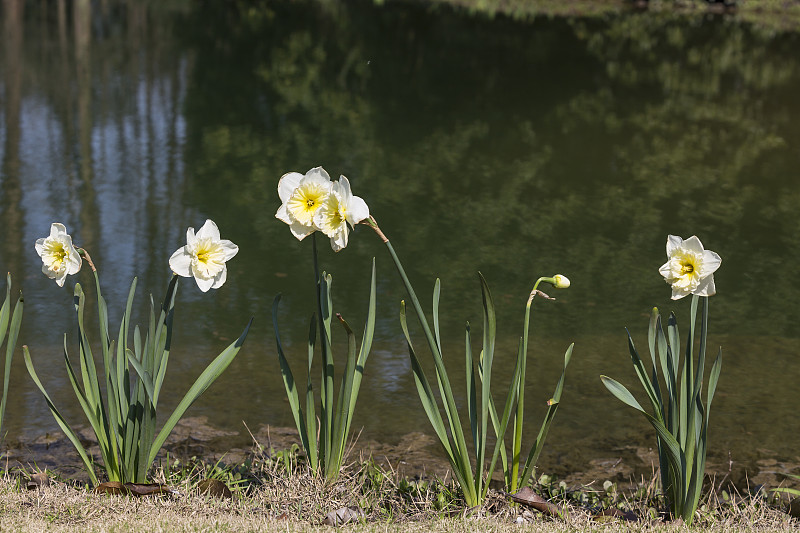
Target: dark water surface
(517, 148)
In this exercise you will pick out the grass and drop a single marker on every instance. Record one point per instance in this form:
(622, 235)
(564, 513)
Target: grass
(274, 491)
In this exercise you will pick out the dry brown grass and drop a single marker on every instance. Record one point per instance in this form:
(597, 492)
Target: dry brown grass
(288, 499)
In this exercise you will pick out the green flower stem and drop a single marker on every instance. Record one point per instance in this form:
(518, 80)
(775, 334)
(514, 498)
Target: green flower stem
(326, 394)
(517, 442)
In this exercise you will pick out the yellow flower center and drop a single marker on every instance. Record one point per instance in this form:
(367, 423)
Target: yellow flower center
(209, 258)
(687, 268)
(305, 201)
(56, 255)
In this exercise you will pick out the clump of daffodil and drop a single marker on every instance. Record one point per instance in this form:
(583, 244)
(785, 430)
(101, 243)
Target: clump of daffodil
(302, 195)
(339, 212)
(311, 203)
(689, 268)
(204, 257)
(59, 256)
(121, 403)
(679, 413)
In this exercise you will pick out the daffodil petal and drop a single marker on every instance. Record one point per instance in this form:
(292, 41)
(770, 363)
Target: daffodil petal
(287, 184)
(357, 211)
(665, 270)
(208, 231)
(181, 262)
(228, 249)
(204, 283)
(191, 239)
(693, 244)
(673, 243)
(711, 261)
(57, 229)
(301, 231)
(220, 278)
(318, 174)
(283, 214)
(74, 263)
(706, 287)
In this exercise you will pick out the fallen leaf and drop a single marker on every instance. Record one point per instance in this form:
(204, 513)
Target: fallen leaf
(133, 489)
(342, 516)
(214, 487)
(526, 496)
(38, 480)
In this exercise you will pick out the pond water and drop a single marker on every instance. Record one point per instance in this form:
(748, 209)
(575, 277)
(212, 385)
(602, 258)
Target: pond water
(517, 148)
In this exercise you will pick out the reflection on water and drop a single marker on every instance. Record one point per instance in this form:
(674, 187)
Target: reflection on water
(517, 148)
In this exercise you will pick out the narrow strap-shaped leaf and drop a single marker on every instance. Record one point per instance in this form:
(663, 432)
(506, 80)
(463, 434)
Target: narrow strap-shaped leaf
(651, 339)
(162, 339)
(489, 336)
(62, 423)
(447, 398)
(310, 440)
(426, 395)
(88, 409)
(430, 406)
(555, 401)
(325, 311)
(85, 358)
(472, 406)
(112, 412)
(5, 312)
(671, 445)
(209, 375)
(342, 415)
(288, 378)
(13, 334)
(366, 338)
(144, 375)
(641, 373)
(500, 431)
(437, 287)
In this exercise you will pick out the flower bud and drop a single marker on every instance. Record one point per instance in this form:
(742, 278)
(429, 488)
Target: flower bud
(560, 281)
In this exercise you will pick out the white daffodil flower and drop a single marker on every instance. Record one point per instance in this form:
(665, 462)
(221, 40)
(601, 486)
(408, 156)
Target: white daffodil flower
(689, 267)
(204, 257)
(302, 195)
(338, 210)
(58, 254)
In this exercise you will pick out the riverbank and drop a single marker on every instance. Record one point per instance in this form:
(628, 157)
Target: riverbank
(388, 487)
(776, 14)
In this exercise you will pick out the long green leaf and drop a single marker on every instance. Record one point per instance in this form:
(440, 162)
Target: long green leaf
(555, 401)
(209, 375)
(622, 393)
(13, 334)
(62, 423)
(487, 359)
(309, 433)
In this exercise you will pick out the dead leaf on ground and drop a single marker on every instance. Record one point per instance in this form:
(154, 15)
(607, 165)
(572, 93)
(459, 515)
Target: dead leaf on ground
(342, 516)
(794, 508)
(611, 514)
(38, 480)
(214, 487)
(133, 489)
(526, 496)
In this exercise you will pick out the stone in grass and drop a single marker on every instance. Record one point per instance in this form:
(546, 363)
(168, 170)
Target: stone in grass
(344, 515)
